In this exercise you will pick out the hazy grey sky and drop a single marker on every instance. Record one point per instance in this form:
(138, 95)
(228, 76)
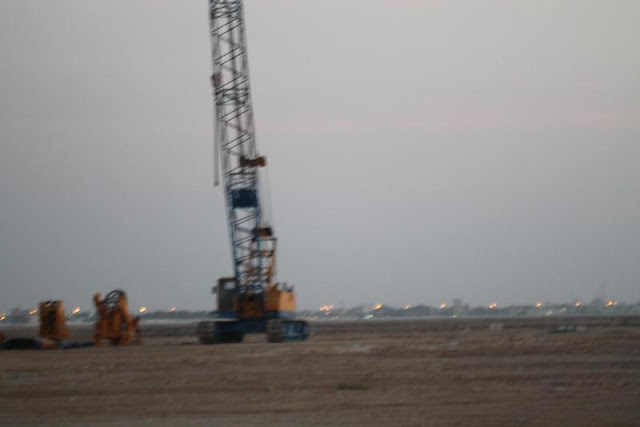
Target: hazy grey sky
(419, 150)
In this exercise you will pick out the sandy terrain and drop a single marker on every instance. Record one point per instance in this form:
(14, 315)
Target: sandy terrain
(390, 373)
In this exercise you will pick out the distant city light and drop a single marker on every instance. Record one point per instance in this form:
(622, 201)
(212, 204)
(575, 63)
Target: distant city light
(143, 310)
(75, 310)
(443, 305)
(493, 306)
(611, 303)
(326, 308)
(172, 310)
(578, 304)
(377, 306)
(407, 307)
(33, 312)
(2, 317)
(538, 304)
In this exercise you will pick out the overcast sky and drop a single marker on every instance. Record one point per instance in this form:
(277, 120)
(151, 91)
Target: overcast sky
(419, 151)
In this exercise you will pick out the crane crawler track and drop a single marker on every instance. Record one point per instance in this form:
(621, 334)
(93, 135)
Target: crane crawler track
(287, 330)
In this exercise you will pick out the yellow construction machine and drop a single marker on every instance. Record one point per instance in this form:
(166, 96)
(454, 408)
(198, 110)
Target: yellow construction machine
(52, 333)
(114, 322)
(53, 321)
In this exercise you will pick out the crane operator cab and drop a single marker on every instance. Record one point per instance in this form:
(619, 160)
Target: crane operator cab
(226, 294)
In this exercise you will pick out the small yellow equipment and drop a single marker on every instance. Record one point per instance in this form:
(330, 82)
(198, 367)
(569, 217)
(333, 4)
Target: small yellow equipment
(53, 321)
(114, 321)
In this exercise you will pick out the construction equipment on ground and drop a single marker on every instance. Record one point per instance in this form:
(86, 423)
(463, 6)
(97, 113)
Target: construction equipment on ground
(53, 324)
(114, 322)
(251, 301)
(52, 332)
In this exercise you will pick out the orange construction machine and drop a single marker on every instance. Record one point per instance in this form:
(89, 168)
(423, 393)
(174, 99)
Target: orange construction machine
(53, 321)
(114, 321)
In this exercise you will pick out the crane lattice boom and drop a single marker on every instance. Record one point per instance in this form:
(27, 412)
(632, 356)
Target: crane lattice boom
(253, 243)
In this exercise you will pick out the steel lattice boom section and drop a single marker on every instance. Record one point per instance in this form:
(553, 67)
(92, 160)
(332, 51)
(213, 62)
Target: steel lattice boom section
(252, 242)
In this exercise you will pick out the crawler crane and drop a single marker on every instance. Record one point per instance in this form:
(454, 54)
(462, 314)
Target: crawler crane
(251, 301)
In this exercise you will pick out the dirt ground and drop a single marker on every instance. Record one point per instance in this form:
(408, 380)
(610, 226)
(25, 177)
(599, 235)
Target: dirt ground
(359, 373)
